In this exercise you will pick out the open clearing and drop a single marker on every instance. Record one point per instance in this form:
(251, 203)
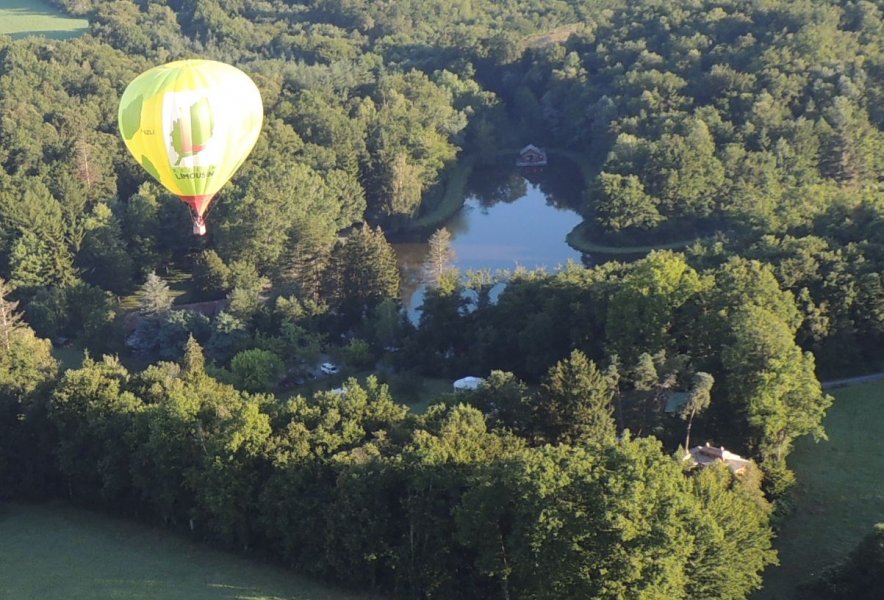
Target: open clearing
(20, 18)
(56, 552)
(840, 490)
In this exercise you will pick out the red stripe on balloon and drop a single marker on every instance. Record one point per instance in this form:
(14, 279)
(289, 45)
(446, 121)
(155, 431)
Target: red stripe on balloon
(199, 203)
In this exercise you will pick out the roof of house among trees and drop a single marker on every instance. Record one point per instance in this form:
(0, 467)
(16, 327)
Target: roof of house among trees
(704, 456)
(468, 383)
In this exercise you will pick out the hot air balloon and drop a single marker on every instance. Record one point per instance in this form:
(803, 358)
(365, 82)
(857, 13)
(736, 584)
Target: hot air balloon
(191, 124)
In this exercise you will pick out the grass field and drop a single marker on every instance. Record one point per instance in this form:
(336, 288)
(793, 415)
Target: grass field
(55, 552)
(840, 491)
(20, 18)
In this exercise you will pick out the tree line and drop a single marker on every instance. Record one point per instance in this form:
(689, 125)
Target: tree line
(351, 486)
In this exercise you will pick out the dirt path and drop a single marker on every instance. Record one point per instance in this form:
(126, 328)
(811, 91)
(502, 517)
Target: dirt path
(837, 383)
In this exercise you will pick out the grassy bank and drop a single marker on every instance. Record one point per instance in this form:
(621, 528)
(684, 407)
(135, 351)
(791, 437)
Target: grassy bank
(452, 198)
(55, 552)
(20, 18)
(579, 239)
(455, 194)
(840, 491)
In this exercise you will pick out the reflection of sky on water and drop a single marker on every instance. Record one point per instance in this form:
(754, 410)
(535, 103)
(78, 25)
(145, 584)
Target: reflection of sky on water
(528, 232)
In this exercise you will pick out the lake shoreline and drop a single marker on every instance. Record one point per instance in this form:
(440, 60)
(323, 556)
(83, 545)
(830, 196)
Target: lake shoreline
(455, 196)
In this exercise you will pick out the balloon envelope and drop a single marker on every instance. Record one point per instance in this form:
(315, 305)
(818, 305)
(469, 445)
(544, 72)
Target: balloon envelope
(191, 124)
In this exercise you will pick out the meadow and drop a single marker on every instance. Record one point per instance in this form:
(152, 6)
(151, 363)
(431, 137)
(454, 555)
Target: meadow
(20, 18)
(840, 491)
(57, 552)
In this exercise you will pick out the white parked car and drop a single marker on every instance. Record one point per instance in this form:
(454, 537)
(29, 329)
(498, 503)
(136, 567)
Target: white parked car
(329, 368)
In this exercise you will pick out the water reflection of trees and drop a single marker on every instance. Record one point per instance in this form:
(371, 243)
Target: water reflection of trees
(491, 185)
(561, 182)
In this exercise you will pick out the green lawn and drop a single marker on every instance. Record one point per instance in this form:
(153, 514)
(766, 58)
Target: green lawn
(56, 552)
(20, 18)
(840, 490)
(452, 199)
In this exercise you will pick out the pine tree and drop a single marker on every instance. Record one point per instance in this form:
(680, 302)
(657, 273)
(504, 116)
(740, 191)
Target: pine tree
(154, 298)
(363, 272)
(306, 260)
(575, 403)
(439, 257)
(10, 319)
(699, 398)
(210, 275)
(31, 262)
(848, 154)
(194, 362)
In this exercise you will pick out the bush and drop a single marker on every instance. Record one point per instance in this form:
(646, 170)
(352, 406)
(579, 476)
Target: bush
(358, 354)
(256, 370)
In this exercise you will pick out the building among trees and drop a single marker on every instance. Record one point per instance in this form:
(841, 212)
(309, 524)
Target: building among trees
(468, 383)
(703, 456)
(531, 156)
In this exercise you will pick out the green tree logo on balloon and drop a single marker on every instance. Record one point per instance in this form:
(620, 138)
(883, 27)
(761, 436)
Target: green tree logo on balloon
(192, 130)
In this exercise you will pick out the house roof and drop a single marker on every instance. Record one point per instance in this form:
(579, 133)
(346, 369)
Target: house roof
(531, 148)
(468, 383)
(707, 455)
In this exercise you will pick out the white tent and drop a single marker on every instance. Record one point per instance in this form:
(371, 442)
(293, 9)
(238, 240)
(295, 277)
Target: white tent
(467, 383)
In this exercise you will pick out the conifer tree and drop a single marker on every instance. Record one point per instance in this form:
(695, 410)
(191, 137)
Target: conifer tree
(154, 298)
(194, 362)
(575, 403)
(699, 398)
(363, 272)
(10, 318)
(439, 257)
(307, 259)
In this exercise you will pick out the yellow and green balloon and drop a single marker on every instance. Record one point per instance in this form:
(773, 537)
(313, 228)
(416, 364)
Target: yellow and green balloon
(191, 124)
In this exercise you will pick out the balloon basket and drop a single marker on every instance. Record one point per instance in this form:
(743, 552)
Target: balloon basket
(199, 227)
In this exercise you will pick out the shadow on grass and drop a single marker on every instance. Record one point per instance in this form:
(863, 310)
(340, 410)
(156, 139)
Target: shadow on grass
(58, 552)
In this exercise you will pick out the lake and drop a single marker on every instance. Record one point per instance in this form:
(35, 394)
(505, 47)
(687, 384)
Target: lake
(509, 219)
(21, 18)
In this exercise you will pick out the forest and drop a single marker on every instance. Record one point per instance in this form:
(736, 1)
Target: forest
(756, 130)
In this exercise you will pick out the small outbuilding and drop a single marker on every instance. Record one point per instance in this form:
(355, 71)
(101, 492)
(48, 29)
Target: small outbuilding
(467, 383)
(703, 456)
(531, 156)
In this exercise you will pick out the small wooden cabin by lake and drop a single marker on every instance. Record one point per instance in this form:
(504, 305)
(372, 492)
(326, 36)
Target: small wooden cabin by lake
(531, 156)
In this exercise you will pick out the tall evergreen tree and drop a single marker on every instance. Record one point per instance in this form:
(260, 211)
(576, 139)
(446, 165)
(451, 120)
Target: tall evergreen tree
(210, 275)
(154, 297)
(363, 272)
(10, 319)
(306, 259)
(699, 398)
(574, 404)
(439, 257)
(194, 362)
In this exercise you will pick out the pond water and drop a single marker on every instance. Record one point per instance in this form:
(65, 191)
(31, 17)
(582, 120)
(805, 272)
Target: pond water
(510, 219)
